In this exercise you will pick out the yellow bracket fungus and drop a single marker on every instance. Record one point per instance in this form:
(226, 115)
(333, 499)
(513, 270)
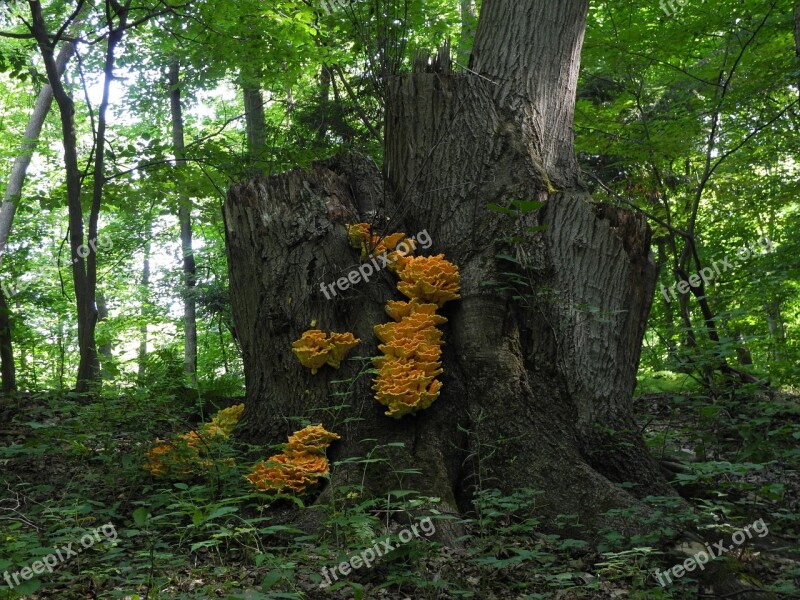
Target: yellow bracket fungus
(407, 371)
(430, 279)
(314, 349)
(371, 244)
(299, 466)
(183, 457)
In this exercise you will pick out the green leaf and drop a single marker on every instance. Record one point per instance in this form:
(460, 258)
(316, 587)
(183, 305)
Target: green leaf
(272, 578)
(140, 516)
(224, 510)
(501, 209)
(198, 517)
(203, 544)
(509, 258)
(29, 587)
(526, 206)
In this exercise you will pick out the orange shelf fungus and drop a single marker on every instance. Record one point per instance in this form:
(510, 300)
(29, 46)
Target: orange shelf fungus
(397, 261)
(314, 349)
(184, 456)
(161, 458)
(406, 386)
(282, 473)
(397, 309)
(371, 244)
(411, 345)
(406, 381)
(359, 236)
(430, 279)
(299, 467)
(314, 439)
(226, 419)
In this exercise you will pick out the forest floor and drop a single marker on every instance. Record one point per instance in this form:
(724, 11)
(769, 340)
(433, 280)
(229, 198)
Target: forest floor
(71, 473)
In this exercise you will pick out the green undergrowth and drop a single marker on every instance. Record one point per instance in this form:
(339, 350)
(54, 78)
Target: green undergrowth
(70, 467)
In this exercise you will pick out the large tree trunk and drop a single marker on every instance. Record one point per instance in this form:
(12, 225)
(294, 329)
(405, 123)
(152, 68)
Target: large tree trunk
(537, 384)
(185, 219)
(562, 360)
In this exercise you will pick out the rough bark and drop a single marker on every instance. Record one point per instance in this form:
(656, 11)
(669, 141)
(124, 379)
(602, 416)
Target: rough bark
(185, 219)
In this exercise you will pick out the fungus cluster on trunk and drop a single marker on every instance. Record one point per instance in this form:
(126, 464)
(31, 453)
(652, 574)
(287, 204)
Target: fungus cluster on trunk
(411, 347)
(314, 349)
(412, 344)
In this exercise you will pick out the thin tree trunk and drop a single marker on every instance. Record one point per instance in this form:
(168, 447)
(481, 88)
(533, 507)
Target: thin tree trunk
(105, 350)
(23, 355)
(467, 30)
(85, 302)
(777, 332)
(7, 367)
(88, 370)
(62, 356)
(84, 256)
(797, 29)
(255, 121)
(31, 137)
(324, 103)
(145, 309)
(669, 316)
(185, 219)
(743, 355)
